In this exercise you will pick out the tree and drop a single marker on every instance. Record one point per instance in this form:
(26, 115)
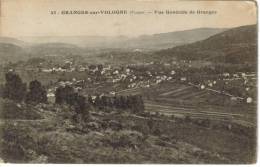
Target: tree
(122, 102)
(150, 123)
(140, 104)
(64, 95)
(68, 95)
(37, 93)
(14, 88)
(80, 104)
(90, 101)
(117, 102)
(98, 102)
(71, 98)
(109, 102)
(136, 104)
(58, 95)
(103, 101)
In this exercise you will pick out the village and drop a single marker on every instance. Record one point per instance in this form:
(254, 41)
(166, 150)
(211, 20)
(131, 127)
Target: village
(131, 77)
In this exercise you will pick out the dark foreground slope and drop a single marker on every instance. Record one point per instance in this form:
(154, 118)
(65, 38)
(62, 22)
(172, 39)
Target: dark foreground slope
(46, 133)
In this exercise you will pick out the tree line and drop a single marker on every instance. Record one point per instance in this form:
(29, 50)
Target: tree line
(134, 103)
(15, 89)
(67, 95)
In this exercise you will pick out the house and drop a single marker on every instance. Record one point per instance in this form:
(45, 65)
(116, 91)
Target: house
(158, 81)
(226, 74)
(46, 70)
(250, 75)
(59, 69)
(68, 83)
(50, 94)
(81, 69)
(149, 73)
(62, 83)
(115, 80)
(249, 100)
(235, 75)
(127, 70)
(233, 98)
(51, 97)
(169, 78)
(103, 72)
(112, 93)
(123, 76)
(116, 72)
(147, 86)
(210, 84)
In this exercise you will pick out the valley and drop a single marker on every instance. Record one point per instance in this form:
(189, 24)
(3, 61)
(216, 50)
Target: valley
(180, 100)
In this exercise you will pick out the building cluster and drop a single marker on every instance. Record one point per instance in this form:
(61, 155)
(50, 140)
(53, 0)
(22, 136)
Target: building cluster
(147, 75)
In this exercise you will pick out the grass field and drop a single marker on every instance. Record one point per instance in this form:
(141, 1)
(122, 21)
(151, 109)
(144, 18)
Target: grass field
(182, 100)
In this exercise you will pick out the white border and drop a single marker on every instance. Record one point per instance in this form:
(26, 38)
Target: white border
(152, 165)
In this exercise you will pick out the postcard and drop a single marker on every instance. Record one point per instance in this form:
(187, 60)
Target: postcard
(128, 82)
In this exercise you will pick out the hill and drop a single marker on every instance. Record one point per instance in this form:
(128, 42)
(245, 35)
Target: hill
(171, 39)
(145, 42)
(13, 41)
(11, 53)
(55, 49)
(237, 45)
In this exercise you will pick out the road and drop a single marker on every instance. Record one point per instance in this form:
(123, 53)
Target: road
(3, 121)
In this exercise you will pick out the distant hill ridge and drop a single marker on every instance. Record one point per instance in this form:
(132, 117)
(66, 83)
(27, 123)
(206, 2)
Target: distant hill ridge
(146, 42)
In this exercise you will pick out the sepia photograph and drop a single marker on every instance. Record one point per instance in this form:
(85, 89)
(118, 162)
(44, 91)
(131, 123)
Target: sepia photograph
(128, 82)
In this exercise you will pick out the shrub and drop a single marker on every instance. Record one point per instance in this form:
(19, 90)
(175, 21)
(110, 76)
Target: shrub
(10, 110)
(124, 138)
(157, 132)
(18, 142)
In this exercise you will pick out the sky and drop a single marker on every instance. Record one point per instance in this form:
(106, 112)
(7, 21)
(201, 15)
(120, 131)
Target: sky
(33, 18)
